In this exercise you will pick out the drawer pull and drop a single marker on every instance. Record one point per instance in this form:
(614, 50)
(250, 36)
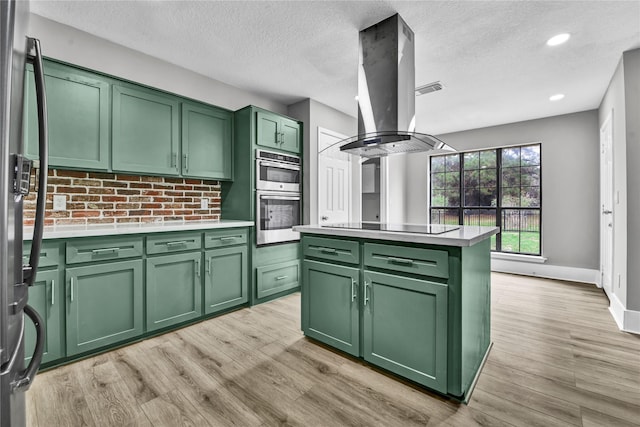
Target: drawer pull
(173, 244)
(281, 277)
(328, 251)
(228, 238)
(402, 261)
(105, 251)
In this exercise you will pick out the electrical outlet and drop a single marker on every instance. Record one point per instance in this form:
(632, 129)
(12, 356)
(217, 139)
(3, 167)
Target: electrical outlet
(59, 202)
(204, 203)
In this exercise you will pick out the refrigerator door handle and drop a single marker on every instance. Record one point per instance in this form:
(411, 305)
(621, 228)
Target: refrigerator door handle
(43, 143)
(24, 380)
(8, 367)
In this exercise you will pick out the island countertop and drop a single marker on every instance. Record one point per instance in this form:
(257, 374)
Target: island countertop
(466, 235)
(69, 231)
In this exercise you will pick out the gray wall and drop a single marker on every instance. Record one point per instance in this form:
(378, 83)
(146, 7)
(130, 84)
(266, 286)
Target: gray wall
(632, 112)
(83, 49)
(570, 181)
(315, 115)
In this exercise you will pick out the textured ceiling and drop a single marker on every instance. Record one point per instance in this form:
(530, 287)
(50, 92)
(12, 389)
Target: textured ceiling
(490, 55)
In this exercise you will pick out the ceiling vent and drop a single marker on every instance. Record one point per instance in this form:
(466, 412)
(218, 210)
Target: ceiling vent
(429, 87)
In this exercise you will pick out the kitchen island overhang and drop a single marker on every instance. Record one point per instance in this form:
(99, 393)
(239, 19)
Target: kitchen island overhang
(417, 305)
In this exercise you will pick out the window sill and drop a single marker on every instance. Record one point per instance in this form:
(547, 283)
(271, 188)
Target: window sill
(535, 259)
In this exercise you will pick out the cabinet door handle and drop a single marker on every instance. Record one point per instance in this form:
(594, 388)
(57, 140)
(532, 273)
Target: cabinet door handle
(186, 161)
(53, 292)
(105, 251)
(174, 160)
(354, 286)
(198, 267)
(172, 244)
(71, 288)
(402, 261)
(208, 266)
(281, 277)
(281, 137)
(366, 295)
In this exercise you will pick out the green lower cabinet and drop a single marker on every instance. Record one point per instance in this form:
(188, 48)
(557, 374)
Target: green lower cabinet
(174, 289)
(46, 297)
(405, 327)
(275, 278)
(104, 304)
(330, 305)
(226, 284)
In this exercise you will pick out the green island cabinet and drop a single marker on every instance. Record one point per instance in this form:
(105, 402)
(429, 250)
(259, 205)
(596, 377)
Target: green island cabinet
(174, 279)
(104, 292)
(46, 296)
(276, 131)
(78, 118)
(419, 311)
(226, 263)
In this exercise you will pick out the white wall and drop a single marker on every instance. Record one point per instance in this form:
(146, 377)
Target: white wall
(570, 181)
(76, 47)
(623, 98)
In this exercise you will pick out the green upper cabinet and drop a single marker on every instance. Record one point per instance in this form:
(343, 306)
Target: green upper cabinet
(145, 131)
(275, 131)
(207, 142)
(78, 118)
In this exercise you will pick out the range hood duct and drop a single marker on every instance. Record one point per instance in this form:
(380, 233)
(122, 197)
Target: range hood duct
(386, 94)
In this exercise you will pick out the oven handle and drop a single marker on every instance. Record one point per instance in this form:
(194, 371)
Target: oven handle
(279, 165)
(280, 197)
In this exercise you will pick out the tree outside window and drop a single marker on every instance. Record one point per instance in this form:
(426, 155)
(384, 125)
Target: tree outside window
(491, 187)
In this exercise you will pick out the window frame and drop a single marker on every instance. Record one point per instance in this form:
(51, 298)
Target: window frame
(499, 208)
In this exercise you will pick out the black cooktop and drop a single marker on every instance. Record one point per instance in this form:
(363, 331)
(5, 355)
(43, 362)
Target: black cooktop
(404, 228)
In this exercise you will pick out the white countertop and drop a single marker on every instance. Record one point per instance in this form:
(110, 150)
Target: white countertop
(68, 231)
(466, 235)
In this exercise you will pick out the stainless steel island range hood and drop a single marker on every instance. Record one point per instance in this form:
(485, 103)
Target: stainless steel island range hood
(386, 94)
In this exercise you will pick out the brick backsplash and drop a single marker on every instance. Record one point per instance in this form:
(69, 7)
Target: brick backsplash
(107, 198)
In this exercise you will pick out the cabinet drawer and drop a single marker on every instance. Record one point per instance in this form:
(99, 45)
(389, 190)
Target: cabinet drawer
(425, 262)
(169, 243)
(331, 249)
(227, 237)
(275, 278)
(49, 254)
(103, 249)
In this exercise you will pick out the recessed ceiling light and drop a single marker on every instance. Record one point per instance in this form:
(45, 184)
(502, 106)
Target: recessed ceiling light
(556, 97)
(558, 39)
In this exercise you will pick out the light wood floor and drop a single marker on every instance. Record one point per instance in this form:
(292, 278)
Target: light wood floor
(558, 360)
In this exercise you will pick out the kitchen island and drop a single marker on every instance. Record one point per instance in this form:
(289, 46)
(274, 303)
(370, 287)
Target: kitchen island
(410, 299)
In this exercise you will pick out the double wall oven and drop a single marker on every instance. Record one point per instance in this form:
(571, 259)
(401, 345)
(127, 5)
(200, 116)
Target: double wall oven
(278, 197)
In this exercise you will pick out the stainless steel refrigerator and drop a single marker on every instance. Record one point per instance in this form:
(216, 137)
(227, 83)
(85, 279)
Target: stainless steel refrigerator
(16, 50)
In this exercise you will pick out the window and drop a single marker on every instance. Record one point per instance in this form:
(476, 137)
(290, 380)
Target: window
(491, 187)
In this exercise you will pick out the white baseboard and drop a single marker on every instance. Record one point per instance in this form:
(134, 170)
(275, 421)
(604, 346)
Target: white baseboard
(627, 320)
(547, 271)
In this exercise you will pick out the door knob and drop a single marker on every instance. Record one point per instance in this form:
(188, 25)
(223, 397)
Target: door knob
(607, 212)
(324, 218)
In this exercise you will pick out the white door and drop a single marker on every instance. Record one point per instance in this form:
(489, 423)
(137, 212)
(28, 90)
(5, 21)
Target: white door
(606, 203)
(334, 179)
